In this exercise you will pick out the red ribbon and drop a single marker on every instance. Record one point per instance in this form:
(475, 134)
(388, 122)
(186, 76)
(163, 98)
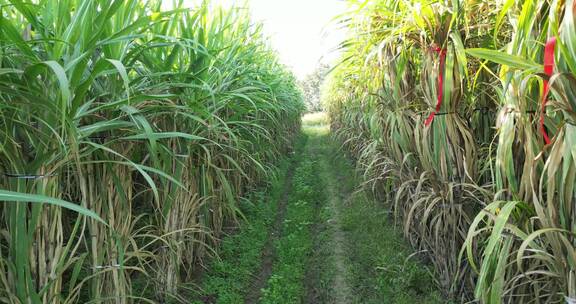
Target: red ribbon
(442, 53)
(548, 70)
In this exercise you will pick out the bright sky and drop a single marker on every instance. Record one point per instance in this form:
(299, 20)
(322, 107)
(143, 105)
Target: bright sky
(302, 31)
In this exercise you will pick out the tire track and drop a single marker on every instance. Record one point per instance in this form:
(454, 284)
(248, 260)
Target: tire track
(269, 251)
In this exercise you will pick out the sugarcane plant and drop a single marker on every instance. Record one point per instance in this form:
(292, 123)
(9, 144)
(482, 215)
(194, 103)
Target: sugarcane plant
(130, 130)
(459, 114)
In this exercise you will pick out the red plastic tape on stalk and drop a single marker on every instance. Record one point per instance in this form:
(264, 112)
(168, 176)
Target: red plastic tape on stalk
(442, 53)
(548, 70)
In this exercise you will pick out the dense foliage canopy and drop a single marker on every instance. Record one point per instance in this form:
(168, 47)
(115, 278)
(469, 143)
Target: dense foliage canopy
(128, 135)
(443, 103)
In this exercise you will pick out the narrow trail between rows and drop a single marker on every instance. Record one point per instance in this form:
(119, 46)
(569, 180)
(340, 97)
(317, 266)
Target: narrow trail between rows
(268, 253)
(341, 286)
(338, 291)
(322, 241)
(327, 237)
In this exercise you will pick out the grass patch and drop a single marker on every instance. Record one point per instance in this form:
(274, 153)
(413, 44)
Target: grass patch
(383, 268)
(380, 264)
(229, 276)
(287, 284)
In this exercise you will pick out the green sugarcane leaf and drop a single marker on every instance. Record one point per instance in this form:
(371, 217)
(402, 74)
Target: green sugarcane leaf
(164, 135)
(62, 78)
(123, 74)
(512, 61)
(11, 196)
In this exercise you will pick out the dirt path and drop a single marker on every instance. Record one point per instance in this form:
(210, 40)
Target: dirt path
(326, 276)
(343, 293)
(330, 244)
(268, 253)
(367, 260)
(330, 240)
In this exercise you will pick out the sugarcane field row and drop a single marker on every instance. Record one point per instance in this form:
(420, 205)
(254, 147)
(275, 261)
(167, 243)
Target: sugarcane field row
(164, 152)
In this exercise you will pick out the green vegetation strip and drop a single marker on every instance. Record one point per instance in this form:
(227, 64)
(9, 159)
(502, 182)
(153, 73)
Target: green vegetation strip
(287, 283)
(229, 276)
(383, 269)
(377, 263)
(323, 213)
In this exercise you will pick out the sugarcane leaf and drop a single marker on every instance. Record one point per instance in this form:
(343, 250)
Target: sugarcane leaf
(164, 135)
(4, 71)
(512, 61)
(11, 196)
(123, 74)
(500, 18)
(529, 241)
(12, 34)
(60, 74)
